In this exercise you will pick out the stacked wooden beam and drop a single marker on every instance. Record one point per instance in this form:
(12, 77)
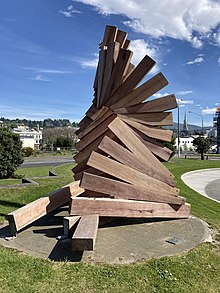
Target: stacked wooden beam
(121, 154)
(120, 149)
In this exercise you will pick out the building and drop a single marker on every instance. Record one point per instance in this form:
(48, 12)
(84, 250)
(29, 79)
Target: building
(29, 137)
(186, 143)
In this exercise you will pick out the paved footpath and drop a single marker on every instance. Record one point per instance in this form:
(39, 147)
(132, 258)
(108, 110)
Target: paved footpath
(205, 181)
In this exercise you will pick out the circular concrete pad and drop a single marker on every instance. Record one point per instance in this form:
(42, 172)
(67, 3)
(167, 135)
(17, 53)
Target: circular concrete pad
(124, 241)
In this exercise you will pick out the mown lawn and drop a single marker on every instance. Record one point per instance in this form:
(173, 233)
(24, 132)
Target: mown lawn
(194, 272)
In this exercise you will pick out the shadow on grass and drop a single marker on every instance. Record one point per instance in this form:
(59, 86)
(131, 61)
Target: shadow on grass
(7, 203)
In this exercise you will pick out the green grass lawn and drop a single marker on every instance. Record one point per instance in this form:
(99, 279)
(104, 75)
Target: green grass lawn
(197, 271)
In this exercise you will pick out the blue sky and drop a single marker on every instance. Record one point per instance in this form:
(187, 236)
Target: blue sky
(48, 53)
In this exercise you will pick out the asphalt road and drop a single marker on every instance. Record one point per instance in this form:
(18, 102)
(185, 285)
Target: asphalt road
(50, 161)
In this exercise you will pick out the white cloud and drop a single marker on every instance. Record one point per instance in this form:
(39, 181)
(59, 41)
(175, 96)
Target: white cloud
(219, 61)
(208, 111)
(44, 70)
(184, 102)
(197, 60)
(159, 95)
(140, 48)
(90, 63)
(69, 11)
(216, 38)
(182, 93)
(217, 104)
(39, 78)
(190, 20)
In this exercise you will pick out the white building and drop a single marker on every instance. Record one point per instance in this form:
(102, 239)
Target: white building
(29, 137)
(186, 143)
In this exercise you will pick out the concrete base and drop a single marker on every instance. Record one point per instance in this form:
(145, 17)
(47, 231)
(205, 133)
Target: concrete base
(124, 241)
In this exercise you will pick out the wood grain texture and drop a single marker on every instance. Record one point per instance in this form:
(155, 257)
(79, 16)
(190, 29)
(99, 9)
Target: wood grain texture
(94, 133)
(126, 135)
(152, 119)
(156, 105)
(31, 212)
(121, 37)
(133, 80)
(68, 225)
(85, 234)
(127, 174)
(128, 208)
(109, 35)
(124, 190)
(157, 133)
(124, 156)
(143, 92)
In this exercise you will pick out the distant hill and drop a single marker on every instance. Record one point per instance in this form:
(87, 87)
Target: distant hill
(190, 127)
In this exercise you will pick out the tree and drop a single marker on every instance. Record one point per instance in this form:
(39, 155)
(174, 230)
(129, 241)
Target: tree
(10, 153)
(171, 145)
(202, 145)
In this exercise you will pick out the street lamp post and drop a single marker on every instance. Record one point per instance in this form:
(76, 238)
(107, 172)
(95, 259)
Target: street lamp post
(178, 127)
(200, 116)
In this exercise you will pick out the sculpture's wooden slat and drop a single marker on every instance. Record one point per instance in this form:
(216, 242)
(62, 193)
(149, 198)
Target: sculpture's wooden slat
(127, 191)
(126, 44)
(40, 207)
(85, 234)
(157, 148)
(124, 156)
(127, 208)
(109, 35)
(78, 176)
(127, 174)
(130, 69)
(68, 224)
(111, 58)
(91, 111)
(94, 134)
(157, 133)
(118, 72)
(143, 92)
(152, 119)
(126, 135)
(133, 80)
(156, 105)
(85, 122)
(96, 122)
(121, 37)
(93, 146)
(101, 70)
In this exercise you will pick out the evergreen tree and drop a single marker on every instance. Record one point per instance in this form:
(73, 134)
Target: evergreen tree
(202, 145)
(10, 153)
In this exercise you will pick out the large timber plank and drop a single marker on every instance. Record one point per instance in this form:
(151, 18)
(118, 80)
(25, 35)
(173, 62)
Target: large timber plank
(101, 70)
(94, 133)
(143, 92)
(104, 113)
(152, 119)
(93, 146)
(157, 105)
(127, 174)
(154, 132)
(124, 156)
(111, 58)
(31, 212)
(121, 37)
(85, 234)
(68, 224)
(109, 35)
(127, 208)
(133, 80)
(124, 190)
(131, 141)
(118, 73)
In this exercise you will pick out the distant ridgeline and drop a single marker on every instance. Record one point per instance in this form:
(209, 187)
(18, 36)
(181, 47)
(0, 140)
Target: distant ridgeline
(46, 123)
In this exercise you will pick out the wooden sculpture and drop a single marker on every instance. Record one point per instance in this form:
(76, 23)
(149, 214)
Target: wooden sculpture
(120, 151)
(120, 171)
